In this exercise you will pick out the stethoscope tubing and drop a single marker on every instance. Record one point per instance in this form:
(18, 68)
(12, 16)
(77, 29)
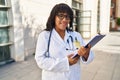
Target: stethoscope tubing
(71, 47)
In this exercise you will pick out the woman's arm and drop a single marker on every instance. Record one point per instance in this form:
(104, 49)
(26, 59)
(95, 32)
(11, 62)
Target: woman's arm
(89, 56)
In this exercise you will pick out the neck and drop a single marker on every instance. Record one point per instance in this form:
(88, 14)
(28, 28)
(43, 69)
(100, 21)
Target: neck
(61, 33)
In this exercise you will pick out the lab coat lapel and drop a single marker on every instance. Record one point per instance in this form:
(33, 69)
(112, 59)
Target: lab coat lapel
(67, 34)
(57, 36)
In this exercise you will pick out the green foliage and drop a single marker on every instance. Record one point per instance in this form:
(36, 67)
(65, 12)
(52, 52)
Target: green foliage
(118, 21)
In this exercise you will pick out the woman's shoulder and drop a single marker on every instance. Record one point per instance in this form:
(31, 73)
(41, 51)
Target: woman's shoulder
(76, 33)
(44, 33)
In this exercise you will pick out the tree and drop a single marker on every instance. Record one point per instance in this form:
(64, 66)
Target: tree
(118, 21)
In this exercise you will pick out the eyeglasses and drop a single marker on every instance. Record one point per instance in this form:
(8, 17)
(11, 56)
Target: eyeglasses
(62, 16)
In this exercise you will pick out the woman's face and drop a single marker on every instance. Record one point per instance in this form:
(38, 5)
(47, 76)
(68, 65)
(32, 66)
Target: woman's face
(61, 21)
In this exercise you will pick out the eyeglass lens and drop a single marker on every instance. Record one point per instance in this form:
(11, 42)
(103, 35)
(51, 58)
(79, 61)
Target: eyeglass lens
(62, 16)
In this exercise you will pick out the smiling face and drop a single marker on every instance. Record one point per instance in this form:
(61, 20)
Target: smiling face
(60, 16)
(61, 21)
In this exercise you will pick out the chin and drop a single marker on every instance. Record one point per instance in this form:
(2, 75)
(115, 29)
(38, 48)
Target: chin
(63, 28)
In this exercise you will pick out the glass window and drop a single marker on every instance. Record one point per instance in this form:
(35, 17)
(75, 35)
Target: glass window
(4, 53)
(77, 7)
(4, 32)
(2, 2)
(4, 38)
(74, 4)
(3, 17)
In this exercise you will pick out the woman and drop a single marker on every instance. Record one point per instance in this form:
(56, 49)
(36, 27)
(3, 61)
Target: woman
(57, 45)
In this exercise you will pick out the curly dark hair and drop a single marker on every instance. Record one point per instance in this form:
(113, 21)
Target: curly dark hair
(59, 8)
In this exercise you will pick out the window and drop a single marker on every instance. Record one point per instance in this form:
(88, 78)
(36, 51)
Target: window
(3, 17)
(85, 24)
(82, 19)
(4, 31)
(77, 7)
(2, 2)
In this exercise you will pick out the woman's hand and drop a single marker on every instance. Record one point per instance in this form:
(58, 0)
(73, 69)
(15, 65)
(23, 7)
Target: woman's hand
(84, 52)
(72, 60)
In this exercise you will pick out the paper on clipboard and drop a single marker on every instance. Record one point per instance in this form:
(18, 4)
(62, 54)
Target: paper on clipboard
(92, 42)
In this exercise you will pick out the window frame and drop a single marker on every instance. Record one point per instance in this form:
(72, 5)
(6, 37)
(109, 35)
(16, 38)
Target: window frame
(7, 6)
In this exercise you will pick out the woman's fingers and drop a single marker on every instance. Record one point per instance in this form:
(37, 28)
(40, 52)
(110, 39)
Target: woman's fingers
(82, 51)
(72, 60)
(70, 55)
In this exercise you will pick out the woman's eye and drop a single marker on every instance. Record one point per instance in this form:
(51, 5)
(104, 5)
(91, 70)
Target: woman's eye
(61, 16)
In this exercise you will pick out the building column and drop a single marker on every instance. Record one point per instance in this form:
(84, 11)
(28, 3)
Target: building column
(104, 16)
(17, 49)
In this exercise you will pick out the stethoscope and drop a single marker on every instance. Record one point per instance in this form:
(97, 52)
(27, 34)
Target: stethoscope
(71, 48)
(70, 43)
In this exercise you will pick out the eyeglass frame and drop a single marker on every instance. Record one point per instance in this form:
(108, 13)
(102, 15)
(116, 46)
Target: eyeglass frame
(61, 16)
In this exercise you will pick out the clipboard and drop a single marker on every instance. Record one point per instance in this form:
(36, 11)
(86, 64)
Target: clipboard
(92, 42)
(95, 40)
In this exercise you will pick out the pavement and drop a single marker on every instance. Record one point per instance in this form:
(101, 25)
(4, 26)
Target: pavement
(105, 66)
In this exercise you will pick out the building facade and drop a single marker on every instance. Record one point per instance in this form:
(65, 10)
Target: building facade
(115, 15)
(22, 20)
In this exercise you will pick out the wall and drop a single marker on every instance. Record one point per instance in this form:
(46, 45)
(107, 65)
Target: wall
(34, 18)
(104, 15)
(29, 19)
(117, 8)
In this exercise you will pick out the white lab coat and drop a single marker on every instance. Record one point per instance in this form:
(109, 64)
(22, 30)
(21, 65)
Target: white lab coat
(56, 67)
